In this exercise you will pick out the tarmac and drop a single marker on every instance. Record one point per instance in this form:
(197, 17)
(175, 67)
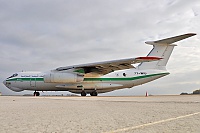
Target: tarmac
(134, 114)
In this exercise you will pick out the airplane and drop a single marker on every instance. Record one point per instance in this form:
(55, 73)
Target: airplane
(99, 77)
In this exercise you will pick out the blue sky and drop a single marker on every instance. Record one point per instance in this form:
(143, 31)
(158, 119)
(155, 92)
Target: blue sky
(42, 35)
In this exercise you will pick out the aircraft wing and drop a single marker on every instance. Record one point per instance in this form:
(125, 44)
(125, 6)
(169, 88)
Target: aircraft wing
(107, 66)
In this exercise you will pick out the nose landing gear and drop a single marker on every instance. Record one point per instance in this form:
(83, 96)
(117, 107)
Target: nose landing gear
(36, 93)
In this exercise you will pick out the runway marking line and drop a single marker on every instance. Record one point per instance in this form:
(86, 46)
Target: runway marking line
(153, 123)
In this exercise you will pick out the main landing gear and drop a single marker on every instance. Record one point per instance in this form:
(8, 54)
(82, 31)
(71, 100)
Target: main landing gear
(83, 93)
(36, 93)
(93, 93)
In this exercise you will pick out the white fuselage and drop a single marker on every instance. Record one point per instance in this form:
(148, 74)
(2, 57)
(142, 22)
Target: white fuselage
(109, 82)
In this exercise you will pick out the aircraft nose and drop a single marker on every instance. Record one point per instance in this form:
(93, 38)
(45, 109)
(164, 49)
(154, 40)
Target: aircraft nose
(4, 82)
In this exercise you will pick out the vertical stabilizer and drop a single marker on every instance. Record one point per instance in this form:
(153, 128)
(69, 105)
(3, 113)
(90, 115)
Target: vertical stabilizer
(163, 49)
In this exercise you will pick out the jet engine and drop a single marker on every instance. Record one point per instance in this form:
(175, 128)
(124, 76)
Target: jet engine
(56, 77)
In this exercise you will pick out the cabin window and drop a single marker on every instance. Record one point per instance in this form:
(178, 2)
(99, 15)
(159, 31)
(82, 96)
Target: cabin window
(14, 75)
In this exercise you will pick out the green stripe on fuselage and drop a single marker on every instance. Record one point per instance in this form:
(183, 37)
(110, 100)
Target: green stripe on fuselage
(94, 79)
(125, 78)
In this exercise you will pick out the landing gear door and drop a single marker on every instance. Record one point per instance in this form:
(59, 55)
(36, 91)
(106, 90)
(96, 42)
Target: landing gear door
(33, 82)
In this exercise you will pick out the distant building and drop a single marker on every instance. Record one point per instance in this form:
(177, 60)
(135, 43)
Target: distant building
(196, 92)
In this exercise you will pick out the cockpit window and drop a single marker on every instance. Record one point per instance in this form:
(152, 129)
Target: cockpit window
(14, 75)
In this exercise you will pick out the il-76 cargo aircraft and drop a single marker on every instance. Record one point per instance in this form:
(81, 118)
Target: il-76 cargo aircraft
(99, 77)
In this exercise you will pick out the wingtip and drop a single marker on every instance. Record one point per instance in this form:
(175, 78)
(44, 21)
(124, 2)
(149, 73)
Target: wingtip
(149, 42)
(191, 34)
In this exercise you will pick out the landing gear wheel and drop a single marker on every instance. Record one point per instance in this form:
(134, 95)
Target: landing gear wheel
(83, 93)
(36, 93)
(94, 93)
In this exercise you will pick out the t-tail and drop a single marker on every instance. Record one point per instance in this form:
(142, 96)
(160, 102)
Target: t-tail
(163, 49)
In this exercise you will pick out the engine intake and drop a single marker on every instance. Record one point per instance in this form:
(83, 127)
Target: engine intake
(62, 77)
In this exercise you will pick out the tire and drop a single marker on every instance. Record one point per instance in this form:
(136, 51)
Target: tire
(36, 94)
(83, 93)
(94, 93)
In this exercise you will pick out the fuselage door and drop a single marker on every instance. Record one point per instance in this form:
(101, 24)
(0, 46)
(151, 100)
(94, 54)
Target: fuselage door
(33, 82)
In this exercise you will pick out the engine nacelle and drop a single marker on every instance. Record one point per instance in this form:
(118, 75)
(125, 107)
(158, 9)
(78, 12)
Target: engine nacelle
(56, 77)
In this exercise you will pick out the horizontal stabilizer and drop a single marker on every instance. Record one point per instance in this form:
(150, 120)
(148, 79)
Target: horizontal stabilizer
(171, 39)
